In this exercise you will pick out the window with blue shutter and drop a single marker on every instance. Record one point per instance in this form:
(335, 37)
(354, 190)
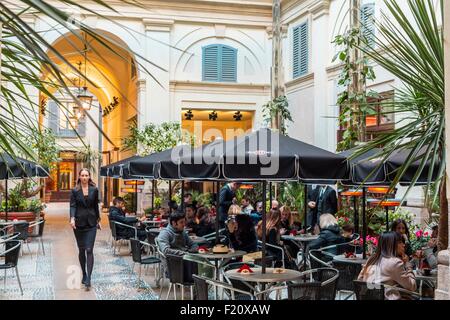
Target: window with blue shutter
(219, 63)
(368, 23)
(300, 50)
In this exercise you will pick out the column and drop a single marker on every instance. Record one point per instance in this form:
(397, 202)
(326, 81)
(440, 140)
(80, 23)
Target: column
(443, 290)
(157, 102)
(320, 46)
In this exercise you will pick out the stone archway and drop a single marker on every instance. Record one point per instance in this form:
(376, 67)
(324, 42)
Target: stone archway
(112, 76)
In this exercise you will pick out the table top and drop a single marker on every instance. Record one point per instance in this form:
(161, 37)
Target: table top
(358, 260)
(301, 238)
(155, 221)
(268, 277)
(10, 222)
(230, 254)
(431, 277)
(197, 239)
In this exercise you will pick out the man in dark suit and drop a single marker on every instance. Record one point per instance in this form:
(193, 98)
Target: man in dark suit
(226, 197)
(116, 213)
(312, 195)
(326, 201)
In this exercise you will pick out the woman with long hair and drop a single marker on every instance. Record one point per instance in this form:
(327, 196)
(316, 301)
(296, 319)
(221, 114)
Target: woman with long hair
(85, 219)
(273, 236)
(287, 220)
(389, 265)
(401, 227)
(241, 233)
(330, 234)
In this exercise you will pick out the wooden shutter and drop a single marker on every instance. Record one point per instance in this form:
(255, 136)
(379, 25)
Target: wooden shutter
(368, 22)
(210, 58)
(228, 61)
(300, 52)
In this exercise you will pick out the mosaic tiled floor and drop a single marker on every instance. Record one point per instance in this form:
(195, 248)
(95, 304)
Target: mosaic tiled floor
(36, 276)
(112, 278)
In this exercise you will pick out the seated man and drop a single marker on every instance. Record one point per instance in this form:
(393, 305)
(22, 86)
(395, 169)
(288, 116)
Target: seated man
(117, 213)
(174, 239)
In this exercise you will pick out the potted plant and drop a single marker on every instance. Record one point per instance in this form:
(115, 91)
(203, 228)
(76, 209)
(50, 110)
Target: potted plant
(21, 208)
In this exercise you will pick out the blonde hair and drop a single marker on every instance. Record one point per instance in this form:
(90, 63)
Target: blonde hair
(234, 209)
(327, 220)
(286, 209)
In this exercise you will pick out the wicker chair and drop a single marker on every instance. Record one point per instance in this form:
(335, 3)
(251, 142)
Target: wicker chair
(363, 291)
(347, 273)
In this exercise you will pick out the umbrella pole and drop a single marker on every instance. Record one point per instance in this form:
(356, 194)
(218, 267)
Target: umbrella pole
(387, 218)
(364, 231)
(6, 198)
(153, 194)
(170, 196)
(355, 215)
(217, 210)
(270, 194)
(135, 198)
(305, 221)
(264, 218)
(182, 195)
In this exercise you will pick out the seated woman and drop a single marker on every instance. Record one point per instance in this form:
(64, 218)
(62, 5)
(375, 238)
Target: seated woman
(273, 236)
(389, 265)
(428, 256)
(204, 224)
(241, 233)
(287, 220)
(401, 227)
(330, 234)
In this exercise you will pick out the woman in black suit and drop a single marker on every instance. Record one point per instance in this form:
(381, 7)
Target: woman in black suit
(85, 219)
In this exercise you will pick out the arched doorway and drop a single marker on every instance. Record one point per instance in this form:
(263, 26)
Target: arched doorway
(112, 76)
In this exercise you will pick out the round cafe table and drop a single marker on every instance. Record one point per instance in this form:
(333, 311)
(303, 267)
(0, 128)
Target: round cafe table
(154, 222)
(302, 242)
(268, 277)
(261, 279)
(358, 260)
(219, 260)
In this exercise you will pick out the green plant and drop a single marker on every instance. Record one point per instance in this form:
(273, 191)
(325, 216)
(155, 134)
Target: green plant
(89, 157)
(43, 143)
(411, 47)
(29, 60)
(279, 106)
(154, 138)
(353, 105)
(419, 239)
(292, 194)
(18, 202)
(157, 202)
(203, 199)
(129, 202)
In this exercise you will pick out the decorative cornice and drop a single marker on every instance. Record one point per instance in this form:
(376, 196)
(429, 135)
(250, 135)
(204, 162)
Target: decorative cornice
(299, 83)
(163, 25)
(141, 85)
(250, 88)
(319, 8)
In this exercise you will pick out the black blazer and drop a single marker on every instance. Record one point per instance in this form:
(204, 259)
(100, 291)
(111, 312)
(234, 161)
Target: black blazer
(328, 202)
(226, 196)
(85, 211)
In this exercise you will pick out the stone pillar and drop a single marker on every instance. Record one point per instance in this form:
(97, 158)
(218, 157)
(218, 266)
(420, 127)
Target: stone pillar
(443, 290)
(157, 108)
(320, 47)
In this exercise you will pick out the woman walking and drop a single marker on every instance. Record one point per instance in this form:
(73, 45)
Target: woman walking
(85, 219)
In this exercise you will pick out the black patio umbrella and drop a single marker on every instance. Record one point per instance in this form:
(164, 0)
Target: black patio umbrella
(263, 155)
(115, 169)
(20, 168)
(375, 169)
